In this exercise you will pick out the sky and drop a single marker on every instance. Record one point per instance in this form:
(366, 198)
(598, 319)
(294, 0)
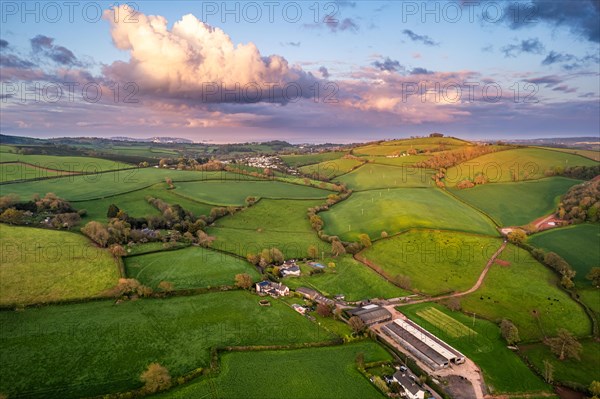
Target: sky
(304, 71)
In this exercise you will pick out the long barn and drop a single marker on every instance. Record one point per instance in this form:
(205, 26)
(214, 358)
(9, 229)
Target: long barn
(421, 343)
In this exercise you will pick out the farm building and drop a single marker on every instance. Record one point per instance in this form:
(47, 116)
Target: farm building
(422, 344)
(411, 389)
(290, 271)
(314, 295)
(271, 288)
(371, 314)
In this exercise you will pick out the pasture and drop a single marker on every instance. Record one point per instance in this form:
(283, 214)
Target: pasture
(20, 171)
(295, 161)
(535, 199)
(374, 176)
(136, 205)
(349, 277)
(400, 146)
(503, 370)
(406, 161)
(40, 265)
(514, 165)
(269, 223)
(436, 262)
(591, 154)
(101, 185)
(573, 372)
(66, 163)
(90, 349)
(301, 373)
(331, 169)
(192, 267)
(395, 210)
(234, 193)
(527, 293)
(577, 244)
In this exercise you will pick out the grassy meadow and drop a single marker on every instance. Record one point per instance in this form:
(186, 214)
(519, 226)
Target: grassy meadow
(527, 293)
(301, 373)
(372, 212)
(20, 171)
(297, 161)
(40, 265)
(374, 176)
(435, 261)
(235, 192)
(579, 245)
(331, 169)
(66, 163)
(535, 199)
(90, 349)
(192, 267)
(514, 165)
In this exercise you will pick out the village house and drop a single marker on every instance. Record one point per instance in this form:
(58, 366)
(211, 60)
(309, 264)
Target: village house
(411, 389)
(270, 288)
(289, 268)
(313, 295)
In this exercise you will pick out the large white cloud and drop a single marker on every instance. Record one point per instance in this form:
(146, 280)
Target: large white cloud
(193, 56)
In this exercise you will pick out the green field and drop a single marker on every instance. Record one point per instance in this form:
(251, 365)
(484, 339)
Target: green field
(66, 163)
(41, 265)
(20, 171)
(536, 198)
(374, 176)
(136, 205)
(400, 209)
(94, 348)
(503, 370)
(573, 372)
(302, 373)
(7, 149)
(579, 245)
(269, 223)
(88, 187)
(399, 146)
(349, 277)
(407, 161)
(591, 154)
(514, 165)
(331, 169)
(296, 161)
(235, 192)
(192, 267)
(527, 293)
(591, 297)
(435, 261)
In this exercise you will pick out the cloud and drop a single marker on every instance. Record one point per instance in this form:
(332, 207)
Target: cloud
(324, 72)
(44, 45)
(14, 61)
(580, 16)
(3, 43)
(565, 89)
(531, 46)
(388, 65)
(569, 61)
(426, 40)
(347, 24)
(548, 81)
(193, 58)
(293, 44)
(420, 71)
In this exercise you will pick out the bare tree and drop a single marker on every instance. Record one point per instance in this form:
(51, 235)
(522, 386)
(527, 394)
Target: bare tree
(155, 378)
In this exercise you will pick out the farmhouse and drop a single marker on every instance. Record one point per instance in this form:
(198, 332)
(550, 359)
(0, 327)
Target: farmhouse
(299, 308)
(290, 268)
(411, 389)
(371, 314)
(270, 288)
(422, 344)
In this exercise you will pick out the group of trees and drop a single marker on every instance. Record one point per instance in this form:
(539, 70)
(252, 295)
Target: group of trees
(509, 332)
(575, 172)
(50, 209)
(581, 203)
(479, 179)
(266, 257)
(558, 264)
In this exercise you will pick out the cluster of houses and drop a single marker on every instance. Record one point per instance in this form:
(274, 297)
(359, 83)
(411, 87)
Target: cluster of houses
(275, 290)
(262, 162)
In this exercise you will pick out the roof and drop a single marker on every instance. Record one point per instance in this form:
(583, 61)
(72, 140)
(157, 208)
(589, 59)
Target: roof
(264, 283)
(374, 315)
(291, 269)
(407, 382)
(306, 291)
